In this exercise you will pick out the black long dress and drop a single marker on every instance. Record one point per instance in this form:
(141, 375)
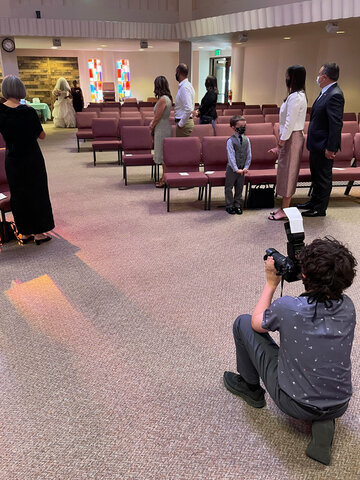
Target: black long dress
(78, 101)
(25, 170)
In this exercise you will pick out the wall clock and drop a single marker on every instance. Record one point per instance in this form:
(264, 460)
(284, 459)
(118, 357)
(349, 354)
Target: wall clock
(8, 45)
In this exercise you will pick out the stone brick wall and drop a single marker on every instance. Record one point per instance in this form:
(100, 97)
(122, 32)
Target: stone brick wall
(40, 74)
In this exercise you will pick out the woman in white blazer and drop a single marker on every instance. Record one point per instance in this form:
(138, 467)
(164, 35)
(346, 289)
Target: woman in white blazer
(291, 138)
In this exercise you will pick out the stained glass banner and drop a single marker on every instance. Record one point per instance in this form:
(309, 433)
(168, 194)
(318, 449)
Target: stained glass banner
(123, 77)
(95, 75)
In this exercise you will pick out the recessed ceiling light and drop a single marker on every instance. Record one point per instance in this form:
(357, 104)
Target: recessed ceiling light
(150, 46)
(99, 48)
(287, 38)
(239, 43)
(103, 46)
(141, 49)
(54, 48)
(340, 31)
(201, 47)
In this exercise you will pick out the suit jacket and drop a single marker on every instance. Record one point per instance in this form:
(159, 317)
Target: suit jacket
(326, 122)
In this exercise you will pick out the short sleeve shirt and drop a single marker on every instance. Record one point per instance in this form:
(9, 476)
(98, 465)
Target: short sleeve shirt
(314, 366)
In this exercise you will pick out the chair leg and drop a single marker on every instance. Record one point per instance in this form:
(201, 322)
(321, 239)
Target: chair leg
(168, 198)
(125, 174)
(349, 187)
(205, 202)
(165, 187)
(94, 158)
(209, 198)
(78, 144)
(3, 237)
(201, 193)
(119, 157)
(152, 172)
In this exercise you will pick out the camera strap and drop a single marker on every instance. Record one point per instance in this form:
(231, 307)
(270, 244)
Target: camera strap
(282, 285)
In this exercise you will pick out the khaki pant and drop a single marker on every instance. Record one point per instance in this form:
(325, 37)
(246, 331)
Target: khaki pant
(186, 130)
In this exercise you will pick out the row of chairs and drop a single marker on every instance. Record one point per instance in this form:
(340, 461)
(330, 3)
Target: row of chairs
(186, 155)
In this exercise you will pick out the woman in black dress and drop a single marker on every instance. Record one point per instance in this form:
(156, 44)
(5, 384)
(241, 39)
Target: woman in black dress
(25, 167)
(207, 109)
(77, 96)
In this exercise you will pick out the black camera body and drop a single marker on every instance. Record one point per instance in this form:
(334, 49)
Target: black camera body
(288, 267)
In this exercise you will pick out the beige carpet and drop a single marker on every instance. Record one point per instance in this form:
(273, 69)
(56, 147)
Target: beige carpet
(114, 336)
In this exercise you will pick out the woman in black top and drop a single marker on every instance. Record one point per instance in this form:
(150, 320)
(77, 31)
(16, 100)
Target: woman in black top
(77, 97)
(25, 167)
(207, 109)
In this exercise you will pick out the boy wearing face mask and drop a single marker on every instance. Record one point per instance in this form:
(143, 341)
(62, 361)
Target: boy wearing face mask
(239, 159)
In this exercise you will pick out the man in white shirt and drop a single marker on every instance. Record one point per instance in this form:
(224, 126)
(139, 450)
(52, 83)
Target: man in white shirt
(184, 102)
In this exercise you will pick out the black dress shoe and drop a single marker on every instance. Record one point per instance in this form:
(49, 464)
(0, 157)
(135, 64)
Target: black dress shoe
(305, 206)
(313, 213)
(39, 241)
(230, 210)
(238, 210)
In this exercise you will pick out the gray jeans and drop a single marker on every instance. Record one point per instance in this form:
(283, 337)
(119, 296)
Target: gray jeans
(232, 180)
(257, 356)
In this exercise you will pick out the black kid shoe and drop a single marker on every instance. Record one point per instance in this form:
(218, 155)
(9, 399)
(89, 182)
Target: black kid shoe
(237, 385)
(230, 210)
(238, 210)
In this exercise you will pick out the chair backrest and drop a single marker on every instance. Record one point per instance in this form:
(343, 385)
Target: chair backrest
(130, 100)
(260, 156)
(110, 109)
(110, 106)
(349, 117)
(127, 113)
(201, 131)
(3, 177)
(252, 111)
(151, 100)
(270, 110)
(350, 127)
(147, 120)
(259, 129)
(136, 139)
(2, 142)
(230, 112)
(105, 128)
(252, 106)
(107, 114)
(272, 118)
(129, 122)
(255, 119)
(269, 105)
(304, 162)
(181, 154)
(223, 120)
(357, 148)
(146, 109)
(219, 112)
(214, 153)
(222, 130)
(84, 119)
(237, 105)
(343, 157)
(146, 104)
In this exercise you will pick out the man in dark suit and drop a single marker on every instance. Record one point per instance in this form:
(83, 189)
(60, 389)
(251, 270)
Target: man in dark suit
(324, 139)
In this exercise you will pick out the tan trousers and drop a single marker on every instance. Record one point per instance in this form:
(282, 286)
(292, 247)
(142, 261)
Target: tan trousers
(186, 129)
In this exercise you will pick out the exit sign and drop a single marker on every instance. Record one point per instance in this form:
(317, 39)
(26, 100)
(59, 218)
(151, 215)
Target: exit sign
(217, 52)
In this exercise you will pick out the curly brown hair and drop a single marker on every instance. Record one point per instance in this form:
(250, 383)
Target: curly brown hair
(328, 268)
(161, 87)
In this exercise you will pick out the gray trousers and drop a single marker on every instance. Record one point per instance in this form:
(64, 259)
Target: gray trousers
(257, 356)
(232, 180)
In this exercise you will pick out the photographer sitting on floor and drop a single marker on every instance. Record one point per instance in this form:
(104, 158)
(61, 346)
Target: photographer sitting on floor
(309, 375)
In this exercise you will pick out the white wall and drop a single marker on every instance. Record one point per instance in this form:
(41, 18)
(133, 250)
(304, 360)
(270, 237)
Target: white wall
(144, 67)
(265, 64)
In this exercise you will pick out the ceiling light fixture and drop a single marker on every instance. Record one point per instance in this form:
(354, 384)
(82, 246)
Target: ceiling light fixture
(150, 46)
(103, 46)
(99, 48)
(141, 49)
(339, 32)
(287, 38)
(201, 47)
(54, 48)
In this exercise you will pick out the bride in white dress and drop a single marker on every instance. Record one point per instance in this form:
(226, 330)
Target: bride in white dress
(63, 112)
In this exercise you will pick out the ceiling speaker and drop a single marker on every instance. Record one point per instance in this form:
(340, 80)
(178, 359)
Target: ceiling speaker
(143, 44)
(332, 27)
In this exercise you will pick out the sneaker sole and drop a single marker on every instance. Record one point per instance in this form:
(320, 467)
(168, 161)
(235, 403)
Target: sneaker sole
(250, 401)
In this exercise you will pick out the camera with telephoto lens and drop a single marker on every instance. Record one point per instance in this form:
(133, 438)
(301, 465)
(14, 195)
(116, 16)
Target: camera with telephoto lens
(288, 267)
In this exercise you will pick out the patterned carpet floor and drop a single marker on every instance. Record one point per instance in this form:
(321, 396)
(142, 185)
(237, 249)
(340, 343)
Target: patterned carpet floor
(114, 336)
